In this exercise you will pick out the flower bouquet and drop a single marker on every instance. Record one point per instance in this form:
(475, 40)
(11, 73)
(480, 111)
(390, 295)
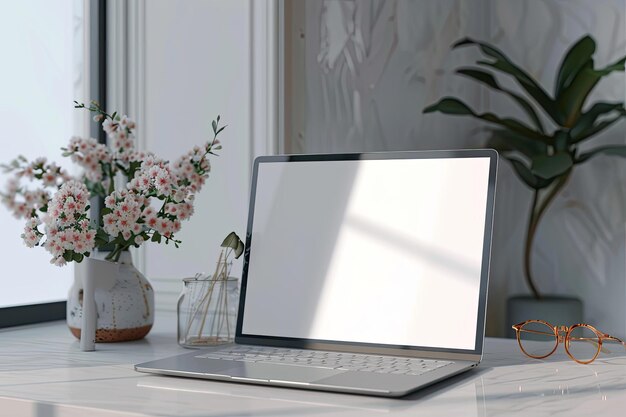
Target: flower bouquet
(123, 198)
(154, 197)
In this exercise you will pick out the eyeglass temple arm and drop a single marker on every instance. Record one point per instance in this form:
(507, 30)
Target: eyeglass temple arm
(615, 339)
(519, 329)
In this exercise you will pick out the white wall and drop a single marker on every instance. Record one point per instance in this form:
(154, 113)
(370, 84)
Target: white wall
(367, 92)
(201, 58)
(197, 65)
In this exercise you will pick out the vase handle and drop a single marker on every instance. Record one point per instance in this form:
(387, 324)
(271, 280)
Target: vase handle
(95, 274)
(89, 319)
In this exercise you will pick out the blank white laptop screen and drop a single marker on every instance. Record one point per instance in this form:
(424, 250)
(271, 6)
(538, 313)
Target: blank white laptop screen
(370, 251)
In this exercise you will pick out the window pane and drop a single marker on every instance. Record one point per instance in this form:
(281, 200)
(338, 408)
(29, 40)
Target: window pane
(42, 73)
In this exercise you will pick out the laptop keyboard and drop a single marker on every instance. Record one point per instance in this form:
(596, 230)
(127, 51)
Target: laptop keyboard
(327, 360)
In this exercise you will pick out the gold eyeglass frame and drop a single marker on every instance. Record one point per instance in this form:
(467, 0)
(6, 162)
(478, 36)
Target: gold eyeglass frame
(562, 334)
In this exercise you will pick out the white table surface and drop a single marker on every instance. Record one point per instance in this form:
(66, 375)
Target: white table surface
(43, 374)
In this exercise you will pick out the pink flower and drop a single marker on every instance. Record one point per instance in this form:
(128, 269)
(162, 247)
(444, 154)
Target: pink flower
(58, 261)
(152, 222)
(49, 179)
(109, 126)
(126, 212)
(110, 201)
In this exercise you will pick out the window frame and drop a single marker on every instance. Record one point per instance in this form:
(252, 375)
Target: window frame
(96, 20)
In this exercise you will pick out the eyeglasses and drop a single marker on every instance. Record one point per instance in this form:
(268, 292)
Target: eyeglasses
(583, 342)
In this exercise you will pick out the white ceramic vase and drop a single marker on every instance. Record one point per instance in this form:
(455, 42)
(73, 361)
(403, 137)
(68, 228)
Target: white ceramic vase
(124, 300)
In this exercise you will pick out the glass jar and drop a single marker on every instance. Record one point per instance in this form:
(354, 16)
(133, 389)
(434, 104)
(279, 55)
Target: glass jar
(207, 311)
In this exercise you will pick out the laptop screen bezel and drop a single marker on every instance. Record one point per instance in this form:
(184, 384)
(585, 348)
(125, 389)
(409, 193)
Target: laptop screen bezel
(422, 351)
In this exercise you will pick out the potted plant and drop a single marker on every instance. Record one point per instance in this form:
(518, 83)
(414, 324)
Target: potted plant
(542, 155)
(145, 198)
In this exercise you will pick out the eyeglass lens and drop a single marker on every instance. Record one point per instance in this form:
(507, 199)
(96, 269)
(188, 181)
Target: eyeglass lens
(583, 344)
(537, 339)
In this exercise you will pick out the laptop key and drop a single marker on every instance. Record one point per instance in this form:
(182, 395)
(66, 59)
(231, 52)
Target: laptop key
(328, 360)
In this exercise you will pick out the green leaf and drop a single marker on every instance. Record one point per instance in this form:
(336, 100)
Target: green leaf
(598, 128)
(156, 237)
(505, 140)
(572, 99)
(503, 64)
(239, 250)
(68, 255)
(586, 121)
(614, 150)
(451, 105)
(133, 167)
(525, 174)
(214, 124)
(234, 242)
(551, 166)
(78, 257)
(488, 79)
(573, 61)
(618, 65)
(101, 234)
(561, 140)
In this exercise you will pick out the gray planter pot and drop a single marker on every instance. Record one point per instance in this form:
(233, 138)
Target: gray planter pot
(553, 309)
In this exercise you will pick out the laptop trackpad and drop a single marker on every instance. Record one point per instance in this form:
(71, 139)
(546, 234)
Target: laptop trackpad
(268, 372)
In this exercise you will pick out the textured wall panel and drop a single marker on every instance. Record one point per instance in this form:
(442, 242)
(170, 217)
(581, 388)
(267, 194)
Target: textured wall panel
(370, 66)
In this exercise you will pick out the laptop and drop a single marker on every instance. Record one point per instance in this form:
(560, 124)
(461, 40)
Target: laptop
(363, 273)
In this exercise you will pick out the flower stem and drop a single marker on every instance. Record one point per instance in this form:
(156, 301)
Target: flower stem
(115, 254)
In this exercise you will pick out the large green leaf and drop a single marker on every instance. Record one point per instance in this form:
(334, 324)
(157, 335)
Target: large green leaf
(588, 118)
(506, 140)
(503, 63)
(572, 99)
(488, 79)
(451, 105)
(570, 102)
(525, 174)
(551, 166)
(615, 150)
(574, 60)
(599, 127)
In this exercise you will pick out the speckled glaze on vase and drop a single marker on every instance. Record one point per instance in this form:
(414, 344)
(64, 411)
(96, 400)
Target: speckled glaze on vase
(124, 312)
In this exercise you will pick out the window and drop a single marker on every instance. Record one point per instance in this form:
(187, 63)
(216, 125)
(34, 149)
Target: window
(45, 69)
